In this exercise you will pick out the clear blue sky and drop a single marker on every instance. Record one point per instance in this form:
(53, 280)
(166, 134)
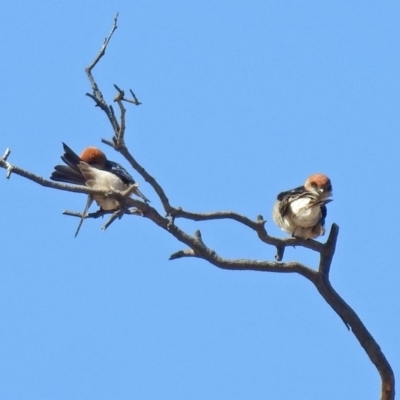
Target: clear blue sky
(241, 100)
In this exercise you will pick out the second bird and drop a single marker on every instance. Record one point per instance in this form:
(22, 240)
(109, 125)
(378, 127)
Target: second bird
(301, 212)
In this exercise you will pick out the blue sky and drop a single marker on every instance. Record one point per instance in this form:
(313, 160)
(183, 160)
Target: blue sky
(241, 100)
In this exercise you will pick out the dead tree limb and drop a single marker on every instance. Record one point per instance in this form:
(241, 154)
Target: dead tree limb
(196, 245)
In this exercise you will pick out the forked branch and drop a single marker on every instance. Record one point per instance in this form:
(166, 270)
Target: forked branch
(196, 245)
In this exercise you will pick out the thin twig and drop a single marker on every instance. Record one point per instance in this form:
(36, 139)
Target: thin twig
(116, 194)
(116, 215)
(119, 136)
(134, 100)
(97, 214)
(96, 94)
(6, 154)
(98, 57)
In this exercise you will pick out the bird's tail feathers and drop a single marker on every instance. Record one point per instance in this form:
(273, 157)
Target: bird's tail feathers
(63, 173)
(70, 157)
(69, 173)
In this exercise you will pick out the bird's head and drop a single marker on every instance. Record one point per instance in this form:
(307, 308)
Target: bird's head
(94, 157)
(320, 184)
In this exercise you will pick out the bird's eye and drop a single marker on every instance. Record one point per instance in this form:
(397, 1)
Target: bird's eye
(314, 185)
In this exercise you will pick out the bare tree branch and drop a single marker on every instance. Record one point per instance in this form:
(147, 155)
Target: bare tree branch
(134, 99)
(101, 53)
(195, 244)
(362, 334)
(319, 278)
(121, 196)
(119, 142)
(96, 94)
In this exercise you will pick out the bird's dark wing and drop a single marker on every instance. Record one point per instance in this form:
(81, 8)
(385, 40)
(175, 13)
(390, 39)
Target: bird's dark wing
(120, 171)
(292, 192)
(324, 213)
(125, 176)
(287, 196)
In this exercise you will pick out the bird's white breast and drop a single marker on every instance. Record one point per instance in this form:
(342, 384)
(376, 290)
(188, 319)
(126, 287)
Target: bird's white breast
(105, 180)
(303, 213)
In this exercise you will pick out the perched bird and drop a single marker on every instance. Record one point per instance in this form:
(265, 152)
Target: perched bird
(93, 169)
(302, 211)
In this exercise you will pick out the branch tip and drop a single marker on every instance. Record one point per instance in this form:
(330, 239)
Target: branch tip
(9, 171)
(116, 215)
(107, 142)
(260, 218)
(328, 251)
(135, 99)
(197, 236)
(280, 251)
(333, 234)
(182, 254)
(6, 154)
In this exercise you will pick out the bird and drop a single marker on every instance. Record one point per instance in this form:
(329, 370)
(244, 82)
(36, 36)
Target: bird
(301, 211)
(93, 169)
